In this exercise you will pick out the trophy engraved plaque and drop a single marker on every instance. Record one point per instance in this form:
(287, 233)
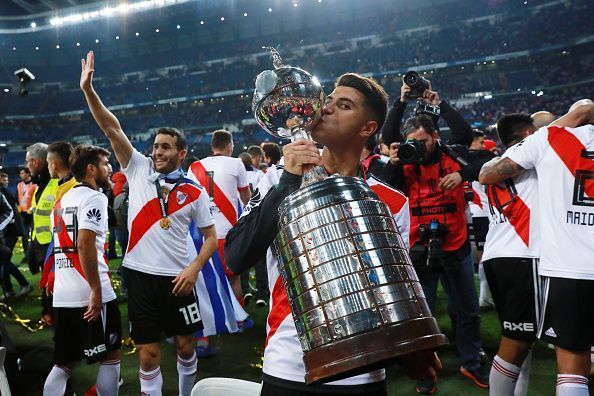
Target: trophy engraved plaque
(355, 297)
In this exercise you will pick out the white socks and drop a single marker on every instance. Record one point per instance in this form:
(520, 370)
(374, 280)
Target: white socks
(108, 378)
(503, 377)
(524, 378)
(55, 383)
(186, 369)
(151, 382)
(572, 385)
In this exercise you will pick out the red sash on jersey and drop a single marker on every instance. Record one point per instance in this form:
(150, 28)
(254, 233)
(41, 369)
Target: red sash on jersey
(427, 202)
(220, 199)
(514, 209)
(279, 310)
(65, 241)
(151, 212)
(569, 149)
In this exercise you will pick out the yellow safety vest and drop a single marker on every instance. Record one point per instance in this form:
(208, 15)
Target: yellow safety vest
(42, 211)
(65, 187)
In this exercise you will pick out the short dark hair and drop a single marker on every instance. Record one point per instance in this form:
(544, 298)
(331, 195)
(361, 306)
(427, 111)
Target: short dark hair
(220, 139)
(84, 155)
(272, 151)
(61, 150)
(26, 170)
(478, 133)
(376, 98)
(2, 174)
(511, 128)
(255, 150)
(246, 158)
(180, 142)
(420, 121)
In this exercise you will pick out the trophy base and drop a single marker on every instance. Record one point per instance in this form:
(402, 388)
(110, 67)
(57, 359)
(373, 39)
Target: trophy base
(371, 350)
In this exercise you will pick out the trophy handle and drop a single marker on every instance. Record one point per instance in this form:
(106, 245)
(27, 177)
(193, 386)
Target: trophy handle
(311, 173)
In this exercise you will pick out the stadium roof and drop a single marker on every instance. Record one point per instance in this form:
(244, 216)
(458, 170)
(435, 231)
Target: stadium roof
(27, 8)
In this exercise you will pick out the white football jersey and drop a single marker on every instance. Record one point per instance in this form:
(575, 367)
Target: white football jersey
(564, 162)
(479, 204)
(152, 249)
(81, 208)
(283, 356)
(223, 177)
(513, 218)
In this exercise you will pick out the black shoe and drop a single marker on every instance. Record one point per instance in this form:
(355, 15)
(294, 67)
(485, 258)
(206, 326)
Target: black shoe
(480, 379)
(426, 387)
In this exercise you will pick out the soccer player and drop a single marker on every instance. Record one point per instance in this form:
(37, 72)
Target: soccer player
(160, 279)
(354, 111)
(86, 310)
(225, 179)
(563, 160)
(510, 262)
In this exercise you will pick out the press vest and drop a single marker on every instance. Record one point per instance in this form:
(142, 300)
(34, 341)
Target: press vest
(42, 211)
(427, 202)
(25, 192)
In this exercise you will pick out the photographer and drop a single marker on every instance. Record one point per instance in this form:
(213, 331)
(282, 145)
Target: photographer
(428, 102)
(440, 249)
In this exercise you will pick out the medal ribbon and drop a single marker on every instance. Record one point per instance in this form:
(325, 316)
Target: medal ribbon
(162, 202)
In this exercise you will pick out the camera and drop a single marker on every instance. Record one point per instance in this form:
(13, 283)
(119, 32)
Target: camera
(417, 84)
(433, 234)
(411, 151)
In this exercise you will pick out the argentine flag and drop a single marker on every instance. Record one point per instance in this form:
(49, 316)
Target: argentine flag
(219, 308)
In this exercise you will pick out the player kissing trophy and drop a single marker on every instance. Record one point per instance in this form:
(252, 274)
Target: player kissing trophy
(355, 297)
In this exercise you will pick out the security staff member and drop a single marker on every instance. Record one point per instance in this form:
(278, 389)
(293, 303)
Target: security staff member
(42, 204)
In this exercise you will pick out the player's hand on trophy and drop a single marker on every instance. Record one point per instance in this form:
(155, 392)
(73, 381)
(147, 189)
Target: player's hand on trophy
(421, 366)
(185, 281)
(94, 307)
(450, 181)
(394, 160)
(86, 75)
(404, 91)
(299, 154)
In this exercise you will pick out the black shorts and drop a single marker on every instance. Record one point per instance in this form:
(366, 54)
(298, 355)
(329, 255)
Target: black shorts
(568, 317)
(480, 227)
(153, 308)
(75, 338)
(515, 287)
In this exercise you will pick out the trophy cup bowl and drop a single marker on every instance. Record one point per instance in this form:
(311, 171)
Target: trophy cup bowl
(287, 101)
(354, 295)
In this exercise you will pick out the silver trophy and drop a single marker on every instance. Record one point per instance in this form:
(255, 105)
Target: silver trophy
(288, 104)
(355, 297)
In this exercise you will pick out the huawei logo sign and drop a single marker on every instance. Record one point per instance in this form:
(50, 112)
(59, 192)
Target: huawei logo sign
(94, 214)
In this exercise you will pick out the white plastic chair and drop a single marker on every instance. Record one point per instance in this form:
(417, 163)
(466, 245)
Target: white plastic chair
(225, 387)
(4, 388)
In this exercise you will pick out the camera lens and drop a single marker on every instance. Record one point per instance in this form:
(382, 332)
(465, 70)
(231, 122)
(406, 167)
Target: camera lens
(411, 78)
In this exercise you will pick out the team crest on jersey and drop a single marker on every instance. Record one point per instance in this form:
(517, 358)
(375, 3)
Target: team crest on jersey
(94, 215)
(181, 197)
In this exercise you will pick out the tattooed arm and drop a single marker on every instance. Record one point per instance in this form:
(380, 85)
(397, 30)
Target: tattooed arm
(499, 169)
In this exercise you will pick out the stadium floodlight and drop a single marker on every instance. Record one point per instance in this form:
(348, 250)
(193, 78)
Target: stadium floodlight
(106, 12)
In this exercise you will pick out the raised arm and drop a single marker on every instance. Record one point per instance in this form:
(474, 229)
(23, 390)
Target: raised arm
(108, 122)
(580, 113)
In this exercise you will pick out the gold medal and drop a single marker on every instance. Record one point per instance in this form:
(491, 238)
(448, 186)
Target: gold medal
(165, 223)
(165, 190)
